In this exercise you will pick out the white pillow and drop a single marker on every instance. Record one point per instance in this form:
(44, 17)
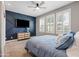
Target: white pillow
(74, 50)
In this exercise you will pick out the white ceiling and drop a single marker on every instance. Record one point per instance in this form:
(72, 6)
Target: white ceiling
(21, 7)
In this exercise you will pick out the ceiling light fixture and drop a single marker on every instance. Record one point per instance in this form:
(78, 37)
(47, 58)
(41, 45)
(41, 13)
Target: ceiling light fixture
(8, 4)
(37, 8)
(38, 5)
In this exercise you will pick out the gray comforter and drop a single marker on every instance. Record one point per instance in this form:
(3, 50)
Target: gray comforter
(44, 46)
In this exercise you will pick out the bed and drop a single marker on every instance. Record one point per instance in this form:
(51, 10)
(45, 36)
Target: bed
(44, 46)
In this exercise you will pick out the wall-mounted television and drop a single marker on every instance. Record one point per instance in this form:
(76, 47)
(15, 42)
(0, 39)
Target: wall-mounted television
(22, 23)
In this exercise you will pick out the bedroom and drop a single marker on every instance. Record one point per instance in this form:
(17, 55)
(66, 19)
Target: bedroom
(48, 23)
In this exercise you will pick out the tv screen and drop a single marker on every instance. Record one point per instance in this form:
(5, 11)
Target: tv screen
(22, 23)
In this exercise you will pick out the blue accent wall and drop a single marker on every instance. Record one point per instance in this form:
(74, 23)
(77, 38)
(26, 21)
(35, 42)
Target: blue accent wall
(12, 30)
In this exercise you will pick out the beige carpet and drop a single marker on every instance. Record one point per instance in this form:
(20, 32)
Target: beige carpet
(14, 48)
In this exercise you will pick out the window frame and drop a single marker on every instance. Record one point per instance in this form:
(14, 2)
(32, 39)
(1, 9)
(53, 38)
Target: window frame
(55, 22)
(62, 12)
(53, 17)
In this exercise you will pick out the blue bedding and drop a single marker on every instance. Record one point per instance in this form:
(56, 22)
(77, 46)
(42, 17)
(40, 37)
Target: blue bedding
(44, 46)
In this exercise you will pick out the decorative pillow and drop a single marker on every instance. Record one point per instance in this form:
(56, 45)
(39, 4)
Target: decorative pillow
(61, 40)
(66, 41)
(76, 36)
(59, 37)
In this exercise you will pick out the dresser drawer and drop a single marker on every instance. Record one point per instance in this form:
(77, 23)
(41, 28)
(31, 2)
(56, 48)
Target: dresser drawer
(21, 34)
(20, 38)
(27, 33)
(27, 36)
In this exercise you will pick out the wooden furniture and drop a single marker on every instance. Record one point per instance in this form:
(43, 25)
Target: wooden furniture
(23, 35)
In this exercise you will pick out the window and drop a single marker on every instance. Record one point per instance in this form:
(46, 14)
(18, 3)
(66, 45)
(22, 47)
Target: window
(60, 24)
(47, 24)
(66, 22)
(63, 21)
(42, 25)
(50, 23)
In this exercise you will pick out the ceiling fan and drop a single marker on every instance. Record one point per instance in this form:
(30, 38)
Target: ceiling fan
(37, 5)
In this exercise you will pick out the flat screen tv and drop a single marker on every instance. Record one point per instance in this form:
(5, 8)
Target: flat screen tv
(22, 23)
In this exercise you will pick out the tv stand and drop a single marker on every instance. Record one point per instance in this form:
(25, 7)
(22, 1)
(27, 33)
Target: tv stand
(23, 35)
